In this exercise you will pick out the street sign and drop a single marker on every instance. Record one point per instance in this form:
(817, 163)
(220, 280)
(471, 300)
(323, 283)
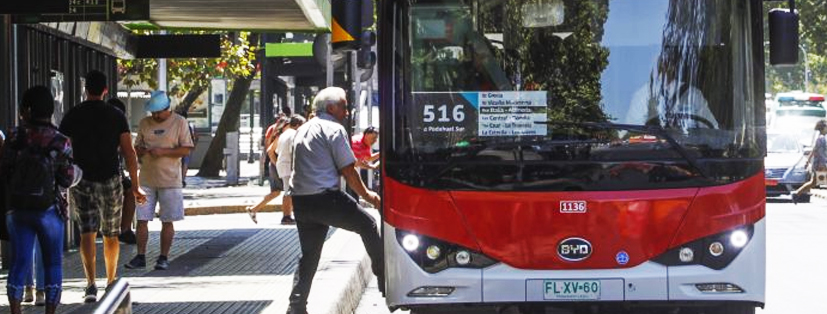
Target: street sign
(34, 7)
(94, 10)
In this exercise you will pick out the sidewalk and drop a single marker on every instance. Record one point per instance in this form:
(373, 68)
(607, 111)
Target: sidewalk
(819, 192)
(204, 196)
(225, 263)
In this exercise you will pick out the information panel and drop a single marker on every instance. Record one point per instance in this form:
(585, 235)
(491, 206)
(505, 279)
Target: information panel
(512, 113)
(481, 114)
(94, 10)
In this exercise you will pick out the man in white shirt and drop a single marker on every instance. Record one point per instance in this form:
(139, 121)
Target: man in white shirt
(321, 154)
(669, 102)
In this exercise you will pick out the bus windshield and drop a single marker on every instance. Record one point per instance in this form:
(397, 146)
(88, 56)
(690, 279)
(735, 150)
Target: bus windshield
(517, 95)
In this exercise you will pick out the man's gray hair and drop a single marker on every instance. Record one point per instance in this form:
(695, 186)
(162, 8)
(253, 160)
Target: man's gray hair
(328, 96)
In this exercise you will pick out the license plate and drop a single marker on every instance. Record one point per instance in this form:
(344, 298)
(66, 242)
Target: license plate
(571, 289)
(769, 182)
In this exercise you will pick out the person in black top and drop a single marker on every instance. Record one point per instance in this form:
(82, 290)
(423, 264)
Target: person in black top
(97, 130)
(128, 213)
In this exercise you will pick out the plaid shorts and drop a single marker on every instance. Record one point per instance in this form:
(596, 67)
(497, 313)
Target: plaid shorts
(96, 206)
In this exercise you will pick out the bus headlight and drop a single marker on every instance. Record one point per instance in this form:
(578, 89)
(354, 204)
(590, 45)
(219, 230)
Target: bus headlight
(686, 255)
(716, 248)
(463, 258)
(715, 251)
(738, 238)
(433, 252)
(439, 255)
(410, 243)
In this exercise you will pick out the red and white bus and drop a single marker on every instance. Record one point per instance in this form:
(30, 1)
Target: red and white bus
(589, 155)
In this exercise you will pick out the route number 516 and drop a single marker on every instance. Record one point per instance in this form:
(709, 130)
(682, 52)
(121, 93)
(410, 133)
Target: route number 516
(431, 111)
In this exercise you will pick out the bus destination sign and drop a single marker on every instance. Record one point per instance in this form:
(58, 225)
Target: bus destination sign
(94, 10)
(483, 114)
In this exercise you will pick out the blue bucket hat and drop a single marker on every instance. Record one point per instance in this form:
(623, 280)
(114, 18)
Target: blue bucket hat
(157, 101)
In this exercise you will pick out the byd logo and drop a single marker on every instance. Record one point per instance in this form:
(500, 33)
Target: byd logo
(574, 249)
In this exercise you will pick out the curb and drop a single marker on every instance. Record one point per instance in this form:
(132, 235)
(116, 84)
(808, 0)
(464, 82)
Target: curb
(343, 275)
(227, 209)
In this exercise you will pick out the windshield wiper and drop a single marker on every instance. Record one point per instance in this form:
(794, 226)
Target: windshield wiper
(468, 152)
(646, 129)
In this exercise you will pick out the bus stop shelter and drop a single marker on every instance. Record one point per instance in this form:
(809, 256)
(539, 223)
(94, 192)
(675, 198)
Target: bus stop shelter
(56, 53)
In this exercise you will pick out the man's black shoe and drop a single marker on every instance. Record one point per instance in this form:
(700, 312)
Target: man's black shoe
(287, 220)
(162, 263)
(127, 237)
(138, 262)
(291, 310)
(90, 294)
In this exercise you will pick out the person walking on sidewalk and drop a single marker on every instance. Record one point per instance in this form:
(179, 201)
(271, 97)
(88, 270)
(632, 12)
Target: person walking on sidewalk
(128, 213)
(271, 141)
(284, 166)
(35, 164)
(163, 139)
(99, 134)
(321, 154)
(817, 161)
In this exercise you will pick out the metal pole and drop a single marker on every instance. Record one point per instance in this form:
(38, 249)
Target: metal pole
(806, 69)
(162, 71)
(329, 65)
(252, 123)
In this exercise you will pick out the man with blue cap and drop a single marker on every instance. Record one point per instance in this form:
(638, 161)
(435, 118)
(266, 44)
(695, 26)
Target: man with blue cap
(99, 132)
(163, 139)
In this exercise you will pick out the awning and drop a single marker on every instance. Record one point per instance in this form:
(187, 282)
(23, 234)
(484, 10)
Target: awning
(276, 15)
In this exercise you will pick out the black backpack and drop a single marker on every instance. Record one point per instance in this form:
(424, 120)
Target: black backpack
(31, 181)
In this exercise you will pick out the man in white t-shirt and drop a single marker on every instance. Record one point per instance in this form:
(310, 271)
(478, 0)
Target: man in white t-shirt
(284, 166)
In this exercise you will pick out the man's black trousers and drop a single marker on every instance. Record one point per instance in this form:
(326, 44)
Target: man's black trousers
(314, 215)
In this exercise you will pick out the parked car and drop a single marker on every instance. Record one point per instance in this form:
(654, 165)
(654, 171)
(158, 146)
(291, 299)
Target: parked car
(785, 165)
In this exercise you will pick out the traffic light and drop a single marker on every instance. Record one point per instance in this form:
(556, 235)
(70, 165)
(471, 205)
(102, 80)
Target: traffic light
(365, 57)
(347, 23)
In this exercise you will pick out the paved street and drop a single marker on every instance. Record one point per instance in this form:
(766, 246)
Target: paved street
(796, 257)
(795, 261)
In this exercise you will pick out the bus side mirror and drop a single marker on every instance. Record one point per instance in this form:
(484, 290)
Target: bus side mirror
(783, 37)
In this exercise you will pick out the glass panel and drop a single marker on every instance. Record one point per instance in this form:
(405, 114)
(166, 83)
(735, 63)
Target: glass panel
(600, 82)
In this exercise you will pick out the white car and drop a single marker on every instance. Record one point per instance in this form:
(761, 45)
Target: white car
(784, 166)
(796, 113)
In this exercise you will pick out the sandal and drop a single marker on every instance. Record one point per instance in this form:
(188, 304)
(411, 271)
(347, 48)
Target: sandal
(252, 214)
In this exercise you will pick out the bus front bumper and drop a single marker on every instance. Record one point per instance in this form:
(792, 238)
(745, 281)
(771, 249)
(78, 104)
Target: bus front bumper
(502, 284)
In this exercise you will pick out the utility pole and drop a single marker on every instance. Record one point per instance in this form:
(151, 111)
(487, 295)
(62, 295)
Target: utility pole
(806, 69)
(162, 72)
(250, 158)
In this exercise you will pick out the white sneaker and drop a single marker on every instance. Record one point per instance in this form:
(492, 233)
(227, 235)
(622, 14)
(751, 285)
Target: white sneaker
(40, 298)
(28, 295)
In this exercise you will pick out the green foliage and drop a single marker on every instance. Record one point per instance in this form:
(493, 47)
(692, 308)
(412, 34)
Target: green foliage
(813, 31)
(237, 60)
(568, 68)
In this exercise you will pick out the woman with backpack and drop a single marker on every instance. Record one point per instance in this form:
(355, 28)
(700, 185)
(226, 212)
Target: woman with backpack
(35, 165)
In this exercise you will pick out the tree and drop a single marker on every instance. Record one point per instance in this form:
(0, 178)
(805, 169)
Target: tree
(192, 76)
(813, 31)
(211, 165)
